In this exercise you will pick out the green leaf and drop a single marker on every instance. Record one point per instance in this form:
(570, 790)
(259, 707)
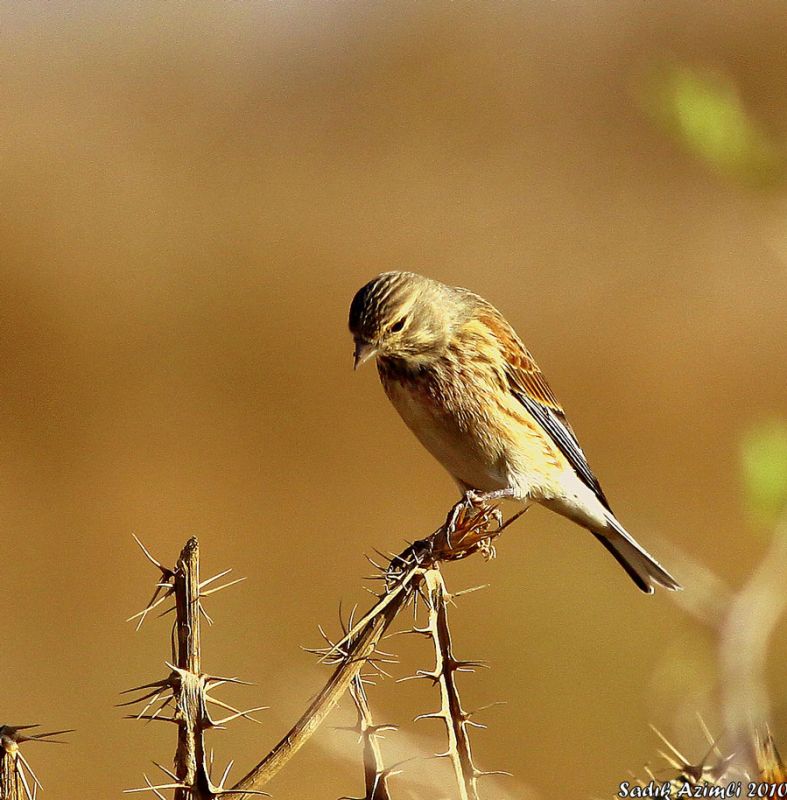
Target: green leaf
(704, 112)
(764, 463)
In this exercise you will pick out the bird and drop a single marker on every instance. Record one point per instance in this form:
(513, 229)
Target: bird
(472, 393)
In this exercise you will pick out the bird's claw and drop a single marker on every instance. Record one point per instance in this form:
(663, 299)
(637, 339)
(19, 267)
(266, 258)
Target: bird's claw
(497, 516)
(452, 519)
(487, 549)
(471, 501)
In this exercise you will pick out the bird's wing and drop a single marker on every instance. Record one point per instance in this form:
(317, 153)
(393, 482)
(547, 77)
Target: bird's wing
(528, 384)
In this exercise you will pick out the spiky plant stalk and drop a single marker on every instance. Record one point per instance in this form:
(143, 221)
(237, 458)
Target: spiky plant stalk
(186, 691)
(17, 779)
(463, 534)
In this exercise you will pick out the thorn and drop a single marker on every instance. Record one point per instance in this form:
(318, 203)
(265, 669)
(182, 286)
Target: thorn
(387, 658)
(408, 632)
(671, 761)
(168, 772)
(152, 603)
(325, 636)
(512, 520)
(315, 651)
(432, 715)
(382, 672)
(480, 709)
(205, 614)
(683, 761)
(483, 774)
(154, 696)
(225, 774)
(12, 732)
(151, 718)
(236, 712)
(713, 742)
(218, 680)
(222, 587)
(164, 570)
(341, 619)
(455, 665)
(472, 589)
(377, 566)
(26, 763)
(159, 684)
(420, 674)
(156, 789)
(376, 730)
(351, 618)
(216, 577)
(153, 701)
(152, 693)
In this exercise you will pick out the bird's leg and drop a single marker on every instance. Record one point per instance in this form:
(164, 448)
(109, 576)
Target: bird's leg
(458, 510)
(481, 500)
(472, 500)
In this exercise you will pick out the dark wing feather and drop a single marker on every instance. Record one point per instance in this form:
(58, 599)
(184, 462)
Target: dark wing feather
(561, 434)
(528, 384)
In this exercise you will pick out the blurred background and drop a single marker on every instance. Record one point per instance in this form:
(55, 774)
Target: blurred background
(193, 192)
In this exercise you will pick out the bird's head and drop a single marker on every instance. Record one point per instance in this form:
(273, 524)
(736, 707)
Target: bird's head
(403, 316)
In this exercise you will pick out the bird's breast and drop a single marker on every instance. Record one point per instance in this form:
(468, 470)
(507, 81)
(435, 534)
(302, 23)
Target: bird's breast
(452, 421)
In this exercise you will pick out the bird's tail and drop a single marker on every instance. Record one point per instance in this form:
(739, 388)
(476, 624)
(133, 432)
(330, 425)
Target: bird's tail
(641, 567)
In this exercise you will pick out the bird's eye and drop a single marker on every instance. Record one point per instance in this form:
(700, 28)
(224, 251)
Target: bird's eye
(398, 325)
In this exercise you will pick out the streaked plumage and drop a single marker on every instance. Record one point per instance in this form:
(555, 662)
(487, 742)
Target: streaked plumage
(468, 388)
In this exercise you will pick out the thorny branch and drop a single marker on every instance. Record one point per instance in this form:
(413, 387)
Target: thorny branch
(715, 769)
(456, 719)
(17, 779)
(375, 774)
(186, 691)
(357, 653)
(471, 533)
(471, 530)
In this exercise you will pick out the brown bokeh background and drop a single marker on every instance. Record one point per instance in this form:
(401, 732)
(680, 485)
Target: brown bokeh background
(191, 195)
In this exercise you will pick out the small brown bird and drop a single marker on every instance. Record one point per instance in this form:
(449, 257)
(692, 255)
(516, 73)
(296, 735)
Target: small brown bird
(468, 388)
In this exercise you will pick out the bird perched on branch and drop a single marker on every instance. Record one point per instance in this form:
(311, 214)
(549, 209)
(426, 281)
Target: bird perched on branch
(468, 388)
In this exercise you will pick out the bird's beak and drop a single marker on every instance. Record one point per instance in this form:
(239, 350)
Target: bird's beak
(363, 352)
